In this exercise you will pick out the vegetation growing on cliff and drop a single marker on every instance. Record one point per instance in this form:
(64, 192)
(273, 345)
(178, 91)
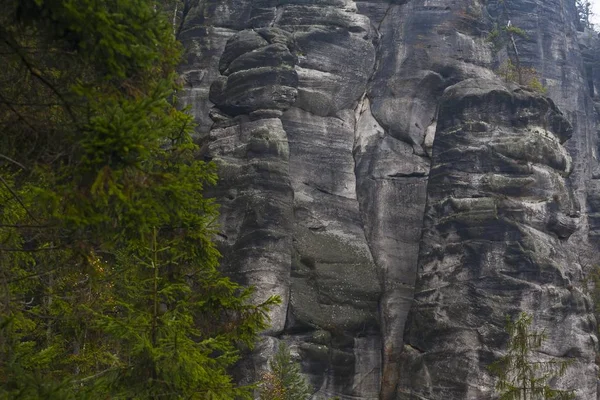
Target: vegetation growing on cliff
(109, 286)
(584, 13)
(504, 35)
(284, 381)
(520, 377)
(528, 75)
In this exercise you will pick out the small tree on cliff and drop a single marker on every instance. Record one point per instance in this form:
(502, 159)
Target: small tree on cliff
(284, 381)
(521, 378)
(584, 12)
(505, 34)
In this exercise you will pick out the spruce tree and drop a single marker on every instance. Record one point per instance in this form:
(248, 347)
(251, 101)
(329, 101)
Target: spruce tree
(519, 376)
(284, 381)
(109, 280)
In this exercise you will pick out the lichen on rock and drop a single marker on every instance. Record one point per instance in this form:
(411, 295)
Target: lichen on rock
(400, 197)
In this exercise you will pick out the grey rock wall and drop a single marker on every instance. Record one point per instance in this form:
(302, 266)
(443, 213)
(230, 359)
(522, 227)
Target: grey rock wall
(499, 216)
(400, 198)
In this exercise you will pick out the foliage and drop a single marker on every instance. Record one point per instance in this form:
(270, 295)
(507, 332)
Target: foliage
(592, 285)
(499, 36)
(519, 376)
(584, 13)
(529, 76)
(504, 35)
(284, 381)
(514, 30)
(109, 281)
(494, 37)
(177, 11)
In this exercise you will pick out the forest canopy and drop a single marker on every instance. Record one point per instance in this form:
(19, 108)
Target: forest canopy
(109, 280)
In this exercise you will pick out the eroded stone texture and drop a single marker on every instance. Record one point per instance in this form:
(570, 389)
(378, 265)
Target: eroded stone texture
(250, 146)
(499, 214)
(557, 51)
(326, 115)
(589, 43)
(326, 272)
(423, 47)
(335, 286)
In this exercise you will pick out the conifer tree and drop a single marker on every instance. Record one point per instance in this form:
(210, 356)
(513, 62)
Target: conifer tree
(584, 12)
(519, 376)
(504, 35)
(284, 381)
(109, 281)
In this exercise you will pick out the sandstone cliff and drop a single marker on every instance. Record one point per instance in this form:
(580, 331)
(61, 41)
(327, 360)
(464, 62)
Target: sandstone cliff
(399, 196)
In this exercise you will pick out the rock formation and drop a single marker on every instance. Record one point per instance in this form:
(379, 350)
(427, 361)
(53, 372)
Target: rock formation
(499, 213)
(398, 195)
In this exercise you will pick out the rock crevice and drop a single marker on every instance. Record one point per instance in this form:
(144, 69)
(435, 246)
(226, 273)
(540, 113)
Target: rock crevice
(401, 199)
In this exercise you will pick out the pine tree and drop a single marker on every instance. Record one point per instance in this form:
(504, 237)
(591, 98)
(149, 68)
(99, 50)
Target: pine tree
(109, 281)
(505, 35)
(521, 378)
(284, 381)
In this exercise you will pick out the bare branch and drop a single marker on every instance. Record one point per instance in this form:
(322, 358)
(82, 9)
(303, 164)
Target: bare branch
(16, 197)
(89, 378)
(12, 161)
(17, 250)
(32, 70)
(14, 110)
(38, 275)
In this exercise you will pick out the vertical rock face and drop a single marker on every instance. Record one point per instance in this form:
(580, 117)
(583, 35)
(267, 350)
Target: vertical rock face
(377, 175)
(499, 214)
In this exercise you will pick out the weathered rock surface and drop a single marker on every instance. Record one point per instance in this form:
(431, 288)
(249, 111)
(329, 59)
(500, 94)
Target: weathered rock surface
(400, 199)
(498, 213)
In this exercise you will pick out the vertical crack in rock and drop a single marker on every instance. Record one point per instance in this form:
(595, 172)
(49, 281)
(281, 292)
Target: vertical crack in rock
(327, 117)
(250, 146)
(335, 289)
(332, 320)
(498, 218)
(421, 50)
